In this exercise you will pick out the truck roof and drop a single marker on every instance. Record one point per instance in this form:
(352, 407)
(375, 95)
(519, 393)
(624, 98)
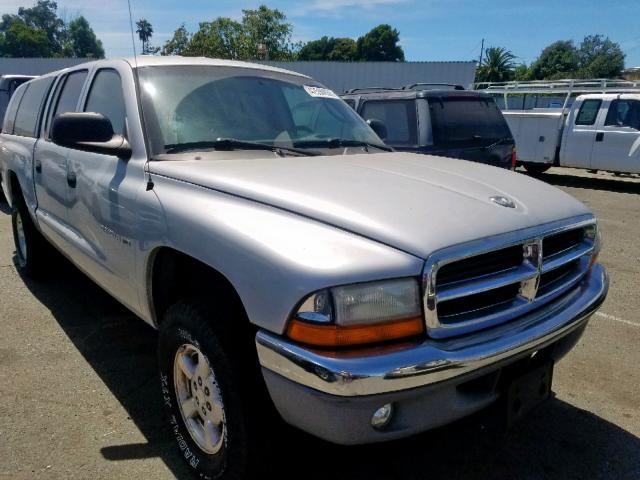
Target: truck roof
(411, 94)
(153, 60)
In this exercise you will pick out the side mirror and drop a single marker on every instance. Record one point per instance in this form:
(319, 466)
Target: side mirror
(89, 132)
(379, 127)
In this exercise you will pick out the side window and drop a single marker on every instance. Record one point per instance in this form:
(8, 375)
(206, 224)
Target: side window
(67, 101)
(26, 123)
(399, 116)
(588, 112)
(351, 102)
(624, 113)
(12, 109)
(106, 97)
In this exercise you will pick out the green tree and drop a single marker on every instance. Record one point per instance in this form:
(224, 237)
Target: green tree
(497, 65)
(81, 40)
(38, 31)
(344, 50)
(262, 33)
(221, 38)
(177, 44)
(316, 49)
(380, 44)
(9, 19)
(20, 40)
(269, 28)
(44, 16)
(522, 72)
(599, 57)
(558, 60)
(145, 32)
(330, 48)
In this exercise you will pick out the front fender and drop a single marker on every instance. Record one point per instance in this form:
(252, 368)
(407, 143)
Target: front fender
(272, 257)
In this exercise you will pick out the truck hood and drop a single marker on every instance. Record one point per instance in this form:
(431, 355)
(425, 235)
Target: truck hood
(415, 203)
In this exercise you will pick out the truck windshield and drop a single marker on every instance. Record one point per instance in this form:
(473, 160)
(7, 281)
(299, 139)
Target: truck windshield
(209, 105)
(467, 121)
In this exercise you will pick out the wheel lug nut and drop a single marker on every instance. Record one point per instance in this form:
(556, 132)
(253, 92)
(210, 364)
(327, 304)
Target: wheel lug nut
(208, 406)
(206, 391)
(200, 381)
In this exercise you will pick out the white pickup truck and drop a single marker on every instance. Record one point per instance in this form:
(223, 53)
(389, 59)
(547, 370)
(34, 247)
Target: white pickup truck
(600, 132)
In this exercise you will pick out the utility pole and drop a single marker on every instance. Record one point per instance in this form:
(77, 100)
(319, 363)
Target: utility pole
(481, 52)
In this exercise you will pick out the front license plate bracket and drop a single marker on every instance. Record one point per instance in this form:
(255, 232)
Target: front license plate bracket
(527, 391)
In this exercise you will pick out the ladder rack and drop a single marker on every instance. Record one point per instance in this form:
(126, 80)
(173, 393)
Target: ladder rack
(561, 88)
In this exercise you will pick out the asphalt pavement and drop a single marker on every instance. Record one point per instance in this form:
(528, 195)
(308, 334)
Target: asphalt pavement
(80, 397)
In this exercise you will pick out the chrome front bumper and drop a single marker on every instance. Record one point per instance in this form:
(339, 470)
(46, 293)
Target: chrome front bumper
(392, 369)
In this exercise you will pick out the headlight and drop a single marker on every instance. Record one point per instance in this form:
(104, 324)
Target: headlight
(594, 233)
(358, 314)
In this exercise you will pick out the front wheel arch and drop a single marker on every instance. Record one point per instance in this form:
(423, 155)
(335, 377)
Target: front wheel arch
(173, 276)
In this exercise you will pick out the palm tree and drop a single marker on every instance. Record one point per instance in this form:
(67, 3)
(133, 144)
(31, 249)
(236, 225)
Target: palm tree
(145, 32)
(497, 66)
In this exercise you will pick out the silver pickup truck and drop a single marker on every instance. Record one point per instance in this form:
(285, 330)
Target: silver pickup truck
(289, 258)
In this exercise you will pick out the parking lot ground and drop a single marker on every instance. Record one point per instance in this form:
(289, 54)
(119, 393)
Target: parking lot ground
(80, 397)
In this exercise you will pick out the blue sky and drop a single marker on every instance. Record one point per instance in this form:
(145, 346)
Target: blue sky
(429, 29)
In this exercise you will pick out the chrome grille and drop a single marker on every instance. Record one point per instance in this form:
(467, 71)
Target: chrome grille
(487, 282)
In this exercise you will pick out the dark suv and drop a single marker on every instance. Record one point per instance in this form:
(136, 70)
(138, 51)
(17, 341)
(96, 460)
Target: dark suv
(438, 119)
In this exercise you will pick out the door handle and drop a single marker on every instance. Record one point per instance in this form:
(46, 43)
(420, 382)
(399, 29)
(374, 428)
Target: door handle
(71, 179)
(38, 166)
(599, 136)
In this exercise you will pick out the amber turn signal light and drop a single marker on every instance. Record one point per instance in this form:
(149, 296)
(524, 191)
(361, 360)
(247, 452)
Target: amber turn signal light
(337, 336)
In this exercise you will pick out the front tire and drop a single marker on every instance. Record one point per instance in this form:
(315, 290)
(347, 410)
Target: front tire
(536, 168)
(202, 379)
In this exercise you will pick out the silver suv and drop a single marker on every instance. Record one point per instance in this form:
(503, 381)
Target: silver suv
(289, 259)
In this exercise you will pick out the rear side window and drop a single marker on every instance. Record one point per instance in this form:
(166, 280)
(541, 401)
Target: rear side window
(66, 95)
(106, 97)
(466, 121)
(12, 109)
(68, 100)
(26, 123)
(399, 116)
(624, 113)
(588, 112)
(351, 102)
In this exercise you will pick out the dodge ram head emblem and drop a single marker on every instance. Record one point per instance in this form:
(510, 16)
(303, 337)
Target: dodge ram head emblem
(503, 201)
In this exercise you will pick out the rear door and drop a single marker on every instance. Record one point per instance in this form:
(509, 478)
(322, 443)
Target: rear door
(580, 133)
(617, 141)
(26, 126)
(50, 162)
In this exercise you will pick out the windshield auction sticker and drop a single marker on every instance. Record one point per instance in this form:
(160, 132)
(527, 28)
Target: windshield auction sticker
(320, 92)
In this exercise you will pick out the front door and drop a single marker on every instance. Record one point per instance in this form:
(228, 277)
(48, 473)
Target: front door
(103, 199)
(580, 134)
(617, 143)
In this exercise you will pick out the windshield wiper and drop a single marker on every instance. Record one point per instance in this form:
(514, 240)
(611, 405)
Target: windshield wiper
(341, 142)
(233, 144)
